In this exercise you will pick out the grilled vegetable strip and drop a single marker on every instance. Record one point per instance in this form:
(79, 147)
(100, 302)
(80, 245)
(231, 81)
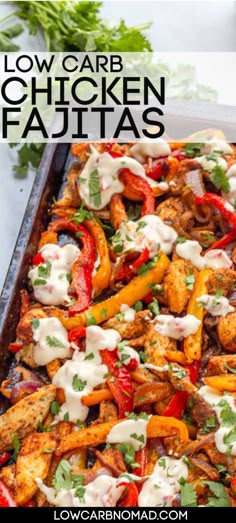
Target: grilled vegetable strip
(177, 405)
(6, 499)
(220, 204)
(192, 344)
(102, 277)
(130, 294)
(131, 268)
(119, 382)
(137, 186)
(223, 382)
(223, 242)
(83, 267)
(131, 496)
(93, 436)
(117, 209)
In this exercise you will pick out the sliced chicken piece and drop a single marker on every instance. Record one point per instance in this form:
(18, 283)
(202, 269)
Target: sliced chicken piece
(33, 462)
(25, 416)
(176, 290)
(226, 329)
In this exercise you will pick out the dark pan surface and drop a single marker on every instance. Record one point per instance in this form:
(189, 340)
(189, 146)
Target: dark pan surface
(48, 181)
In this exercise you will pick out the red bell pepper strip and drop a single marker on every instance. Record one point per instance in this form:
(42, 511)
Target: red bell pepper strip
(108, 149)
(4, 457)
(131, 496)
(29, 503)
(193, 369)
(233, 484)
(223, 242)
(178, 402)
(141, 187)
(177, 405)
(130, 268)
(75, 335)
(141, 458)
(6, 499)
(82, 267)
(38, 259)
(15, 347)
(220, 204)
(119, 382)
(158, 169)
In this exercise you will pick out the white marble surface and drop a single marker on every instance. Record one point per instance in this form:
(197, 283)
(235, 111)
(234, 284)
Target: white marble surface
(177, 26)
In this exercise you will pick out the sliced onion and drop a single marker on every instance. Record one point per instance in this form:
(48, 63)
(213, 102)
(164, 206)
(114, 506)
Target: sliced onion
(158, 445)
(28, 375)
(23, 389)
(194, 178)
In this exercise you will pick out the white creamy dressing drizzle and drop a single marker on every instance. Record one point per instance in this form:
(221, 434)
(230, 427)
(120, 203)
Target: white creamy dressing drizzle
(219, 402)
(209, 164)
(163, 484)
(149, 231)
(107, 169)
(86, 367)
(104, 491)
(128, 314)
(150, 148)
(216, 305)
(127, 354)
(176, 328)
(216, 146)
(48, 335)
(214, 259)
(231, 195)
(130, 431)
(54, 287)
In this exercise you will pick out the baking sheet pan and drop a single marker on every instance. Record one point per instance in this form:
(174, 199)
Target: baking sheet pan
(48, 181)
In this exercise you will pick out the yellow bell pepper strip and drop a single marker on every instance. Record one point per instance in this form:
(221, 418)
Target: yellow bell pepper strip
(192, 344)
(135, 291)
(102, 277)
(158, 426)
(222, 382)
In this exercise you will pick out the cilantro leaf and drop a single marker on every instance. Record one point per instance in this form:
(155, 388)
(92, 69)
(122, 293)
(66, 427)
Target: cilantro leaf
(77, 384)
(219, 179)
(94, 189)
(188, 495)
(193, 149)
(35, 323)
(62, 478)
(81, 214)
(52, 341)
(221, 499)
(16, 445)
(55, 407)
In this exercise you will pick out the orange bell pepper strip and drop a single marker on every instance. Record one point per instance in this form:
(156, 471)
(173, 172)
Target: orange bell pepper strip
(222, 382)
(47, 237)
(102, 277)
(117, 210)
(135, 291)
(158, 426)
(192, 344)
